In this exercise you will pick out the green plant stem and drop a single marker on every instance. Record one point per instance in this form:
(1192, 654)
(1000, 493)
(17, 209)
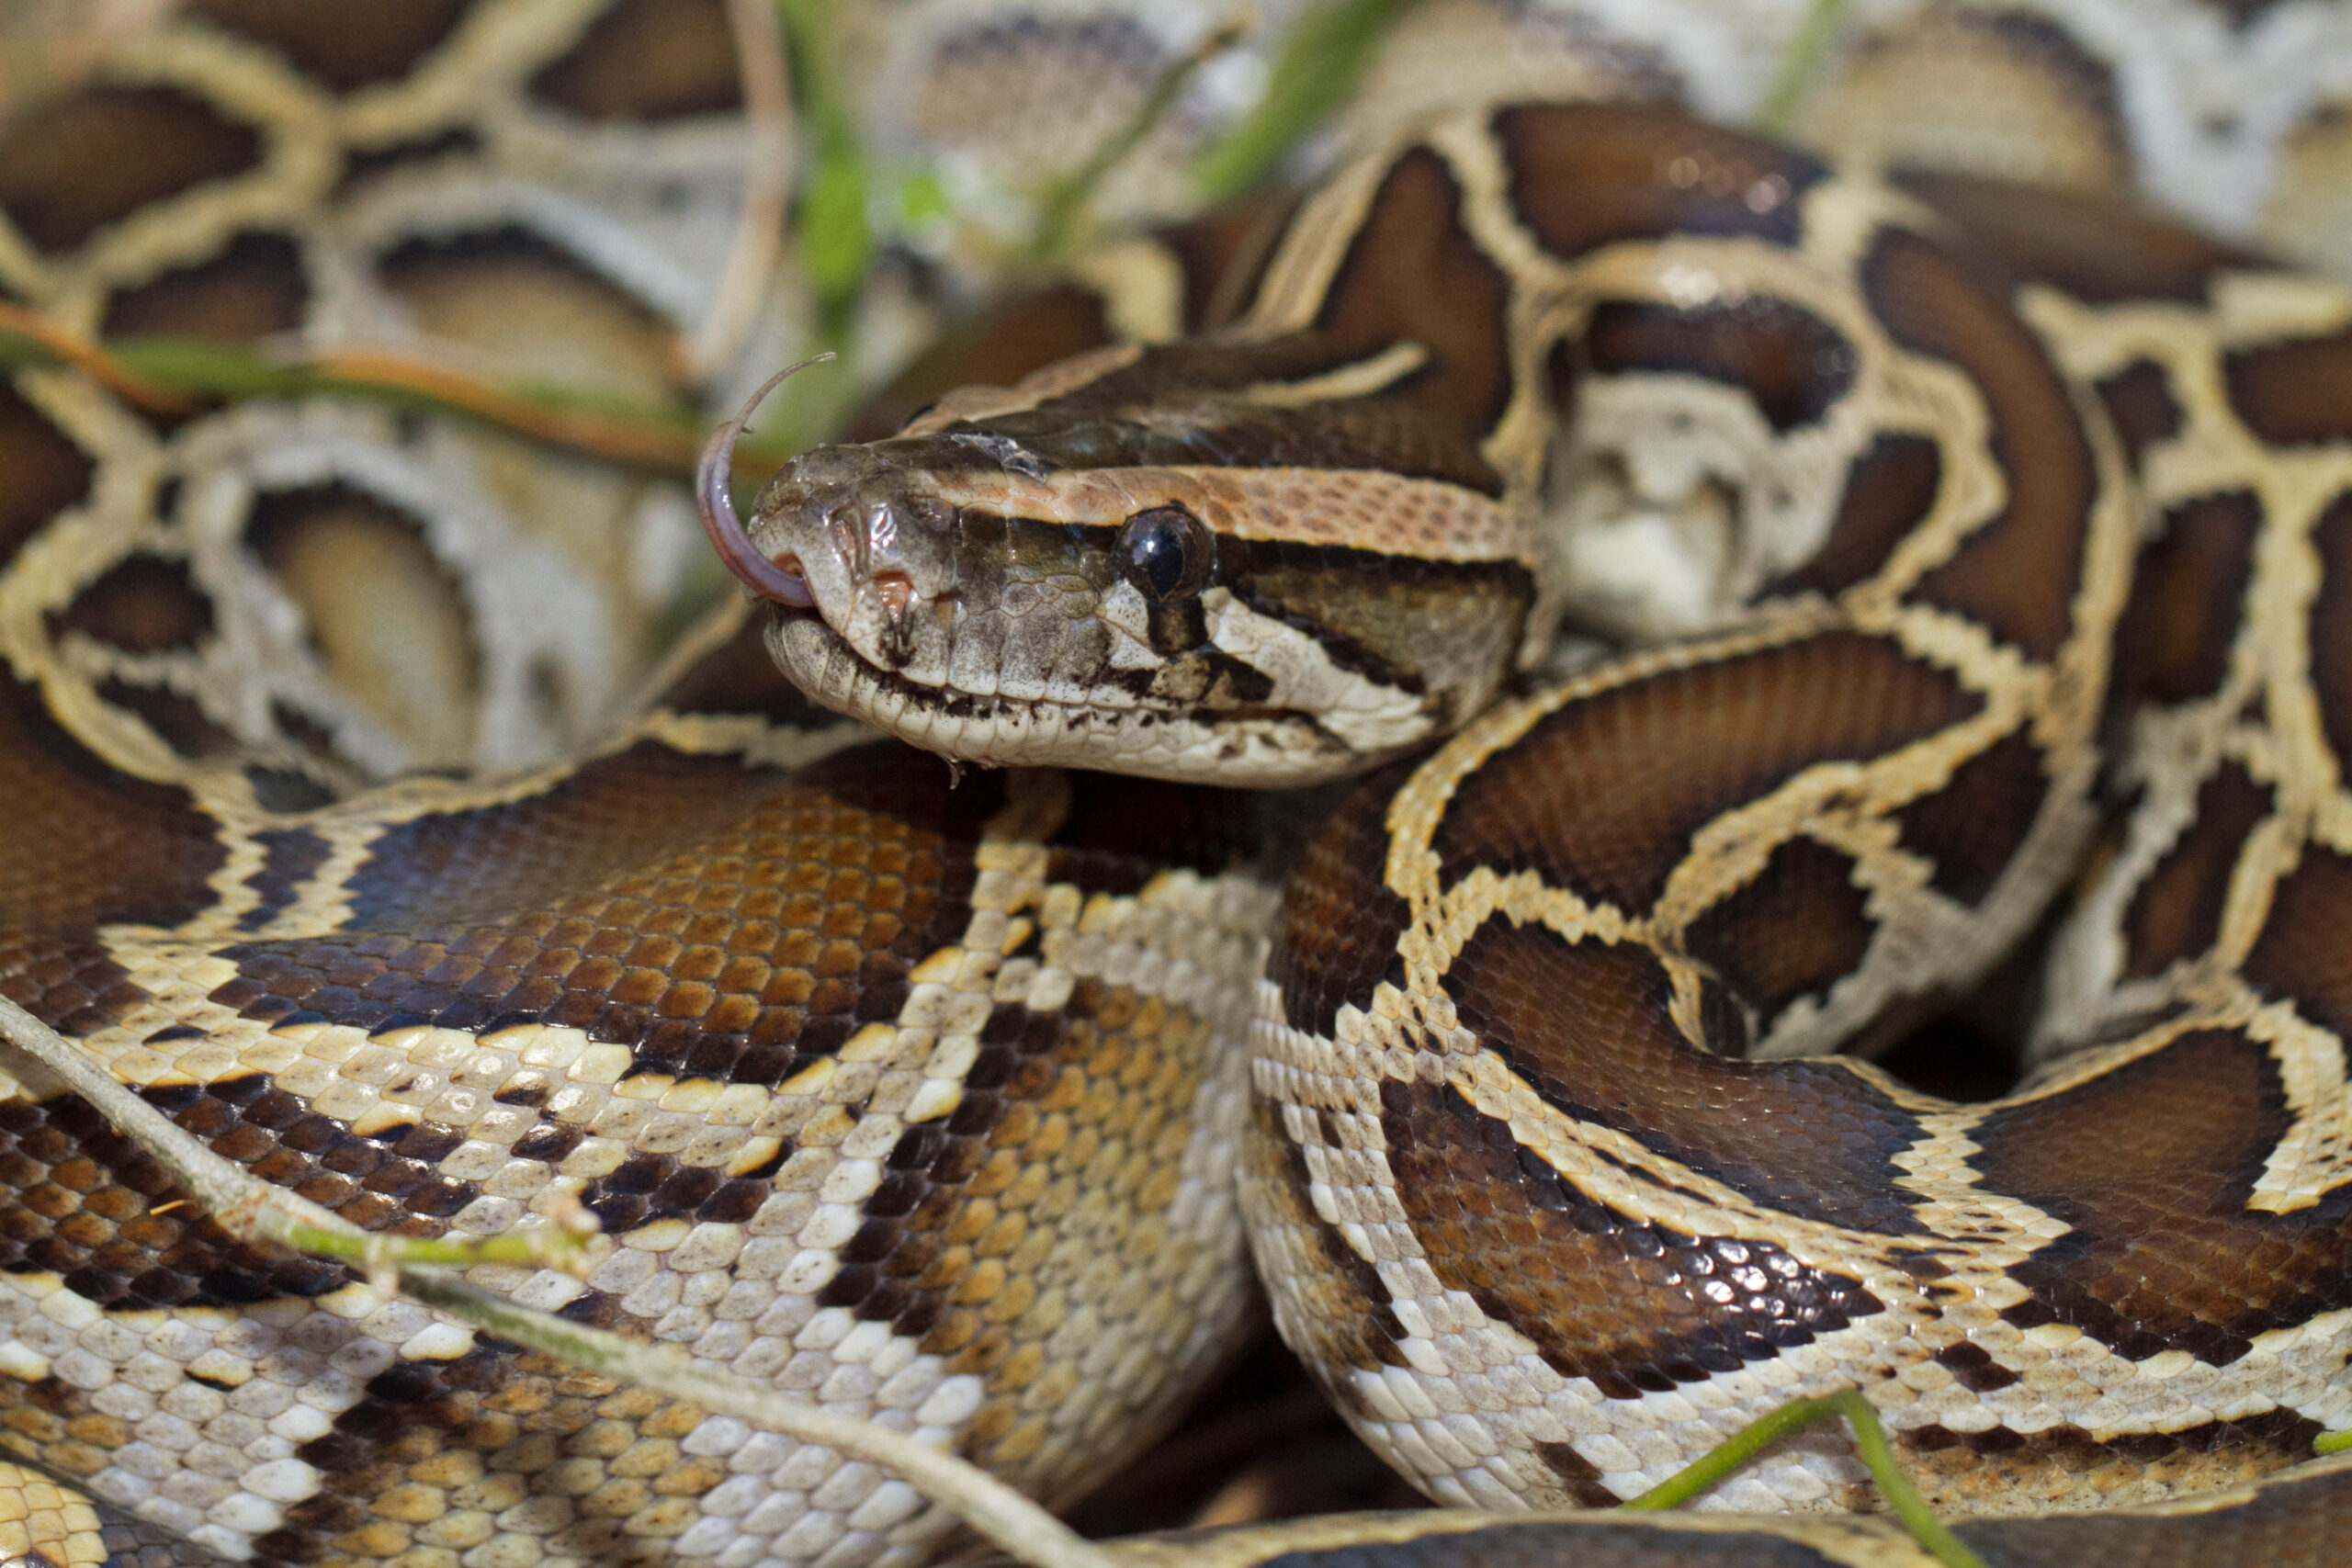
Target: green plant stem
(1800, 63)
(664, 437)
(1326, 52)
(1902, 1499)
(1066, 199)
(833, 231)
(529, 1249)
(2332, 1443)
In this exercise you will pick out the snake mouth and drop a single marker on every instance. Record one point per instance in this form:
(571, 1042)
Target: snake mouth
(1252, 747)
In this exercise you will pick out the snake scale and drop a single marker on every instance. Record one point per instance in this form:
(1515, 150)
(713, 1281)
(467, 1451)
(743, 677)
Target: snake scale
(1935, 552)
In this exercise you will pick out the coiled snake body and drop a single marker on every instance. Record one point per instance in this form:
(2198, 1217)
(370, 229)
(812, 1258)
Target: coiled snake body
(1964, 509)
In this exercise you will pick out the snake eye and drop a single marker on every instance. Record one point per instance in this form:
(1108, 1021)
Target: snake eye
(1166, 553)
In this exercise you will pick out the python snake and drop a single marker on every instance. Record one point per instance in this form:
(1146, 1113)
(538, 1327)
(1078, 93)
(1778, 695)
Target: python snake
(1989, 531)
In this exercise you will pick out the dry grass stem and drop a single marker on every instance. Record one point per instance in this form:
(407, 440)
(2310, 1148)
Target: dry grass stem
(767, 179)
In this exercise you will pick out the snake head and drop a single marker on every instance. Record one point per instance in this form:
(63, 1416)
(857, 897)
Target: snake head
(1120, 574)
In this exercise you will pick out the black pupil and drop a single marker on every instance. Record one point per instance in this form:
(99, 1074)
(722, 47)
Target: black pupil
(1155, 545)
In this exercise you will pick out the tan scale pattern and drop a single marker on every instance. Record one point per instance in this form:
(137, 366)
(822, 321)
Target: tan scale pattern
(305, 987)
(1412, 1269)
(474, 1459)
(1027, 1286)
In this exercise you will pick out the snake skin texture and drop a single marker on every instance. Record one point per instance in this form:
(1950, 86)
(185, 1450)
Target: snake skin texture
(884, 1079)
(1941, 538)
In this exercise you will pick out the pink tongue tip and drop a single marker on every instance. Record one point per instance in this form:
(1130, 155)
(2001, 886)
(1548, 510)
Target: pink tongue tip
(779, 579)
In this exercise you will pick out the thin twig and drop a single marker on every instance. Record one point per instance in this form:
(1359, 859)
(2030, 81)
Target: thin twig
(1058, 211)
(174, 375)
(83, 354)
(621, 438)
(767, 179)
(254, 1211)
(250, 1208)
(1321, 59)
(831, 231)
(1010, 1521)
(1903, 1500)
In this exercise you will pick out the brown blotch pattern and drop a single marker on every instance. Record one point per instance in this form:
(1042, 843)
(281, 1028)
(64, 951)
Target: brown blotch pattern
(1093, 1096)
(725, 921)
(72, 167)
(2187, 601)
(1119, 833)
(290, 856)
(1223, 255)
(1585, 175)
(1969, 829)
(516, 258)
(1790, 362)
(344, 47)
(2016, 573)
(1411, 274)
(1093, 1099)
(251, 290)
(2177, 913)
(180, 722)
(650, 1187)
(1593, 1544)
(1603, 795)
(1635, 1308)
(146, 604)
(2330, 627)
(41, 472)
(2301, 954)
(2294, 393)
(648, 60)
(2095, 246)
(308, 539)
(1577, 1475)
(2288, 1521)
(86, 846)
(585, 1467)
(1351, 1319)
(1972, 1367)
(91, 1206)
(2139, 405)
(1794, 931)
(2162, 1253)
(1341, 922)
(1889, 488)
(1024, 332)
(1586, 1024)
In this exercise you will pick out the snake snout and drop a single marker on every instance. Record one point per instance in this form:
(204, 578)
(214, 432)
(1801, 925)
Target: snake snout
(875, 552)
